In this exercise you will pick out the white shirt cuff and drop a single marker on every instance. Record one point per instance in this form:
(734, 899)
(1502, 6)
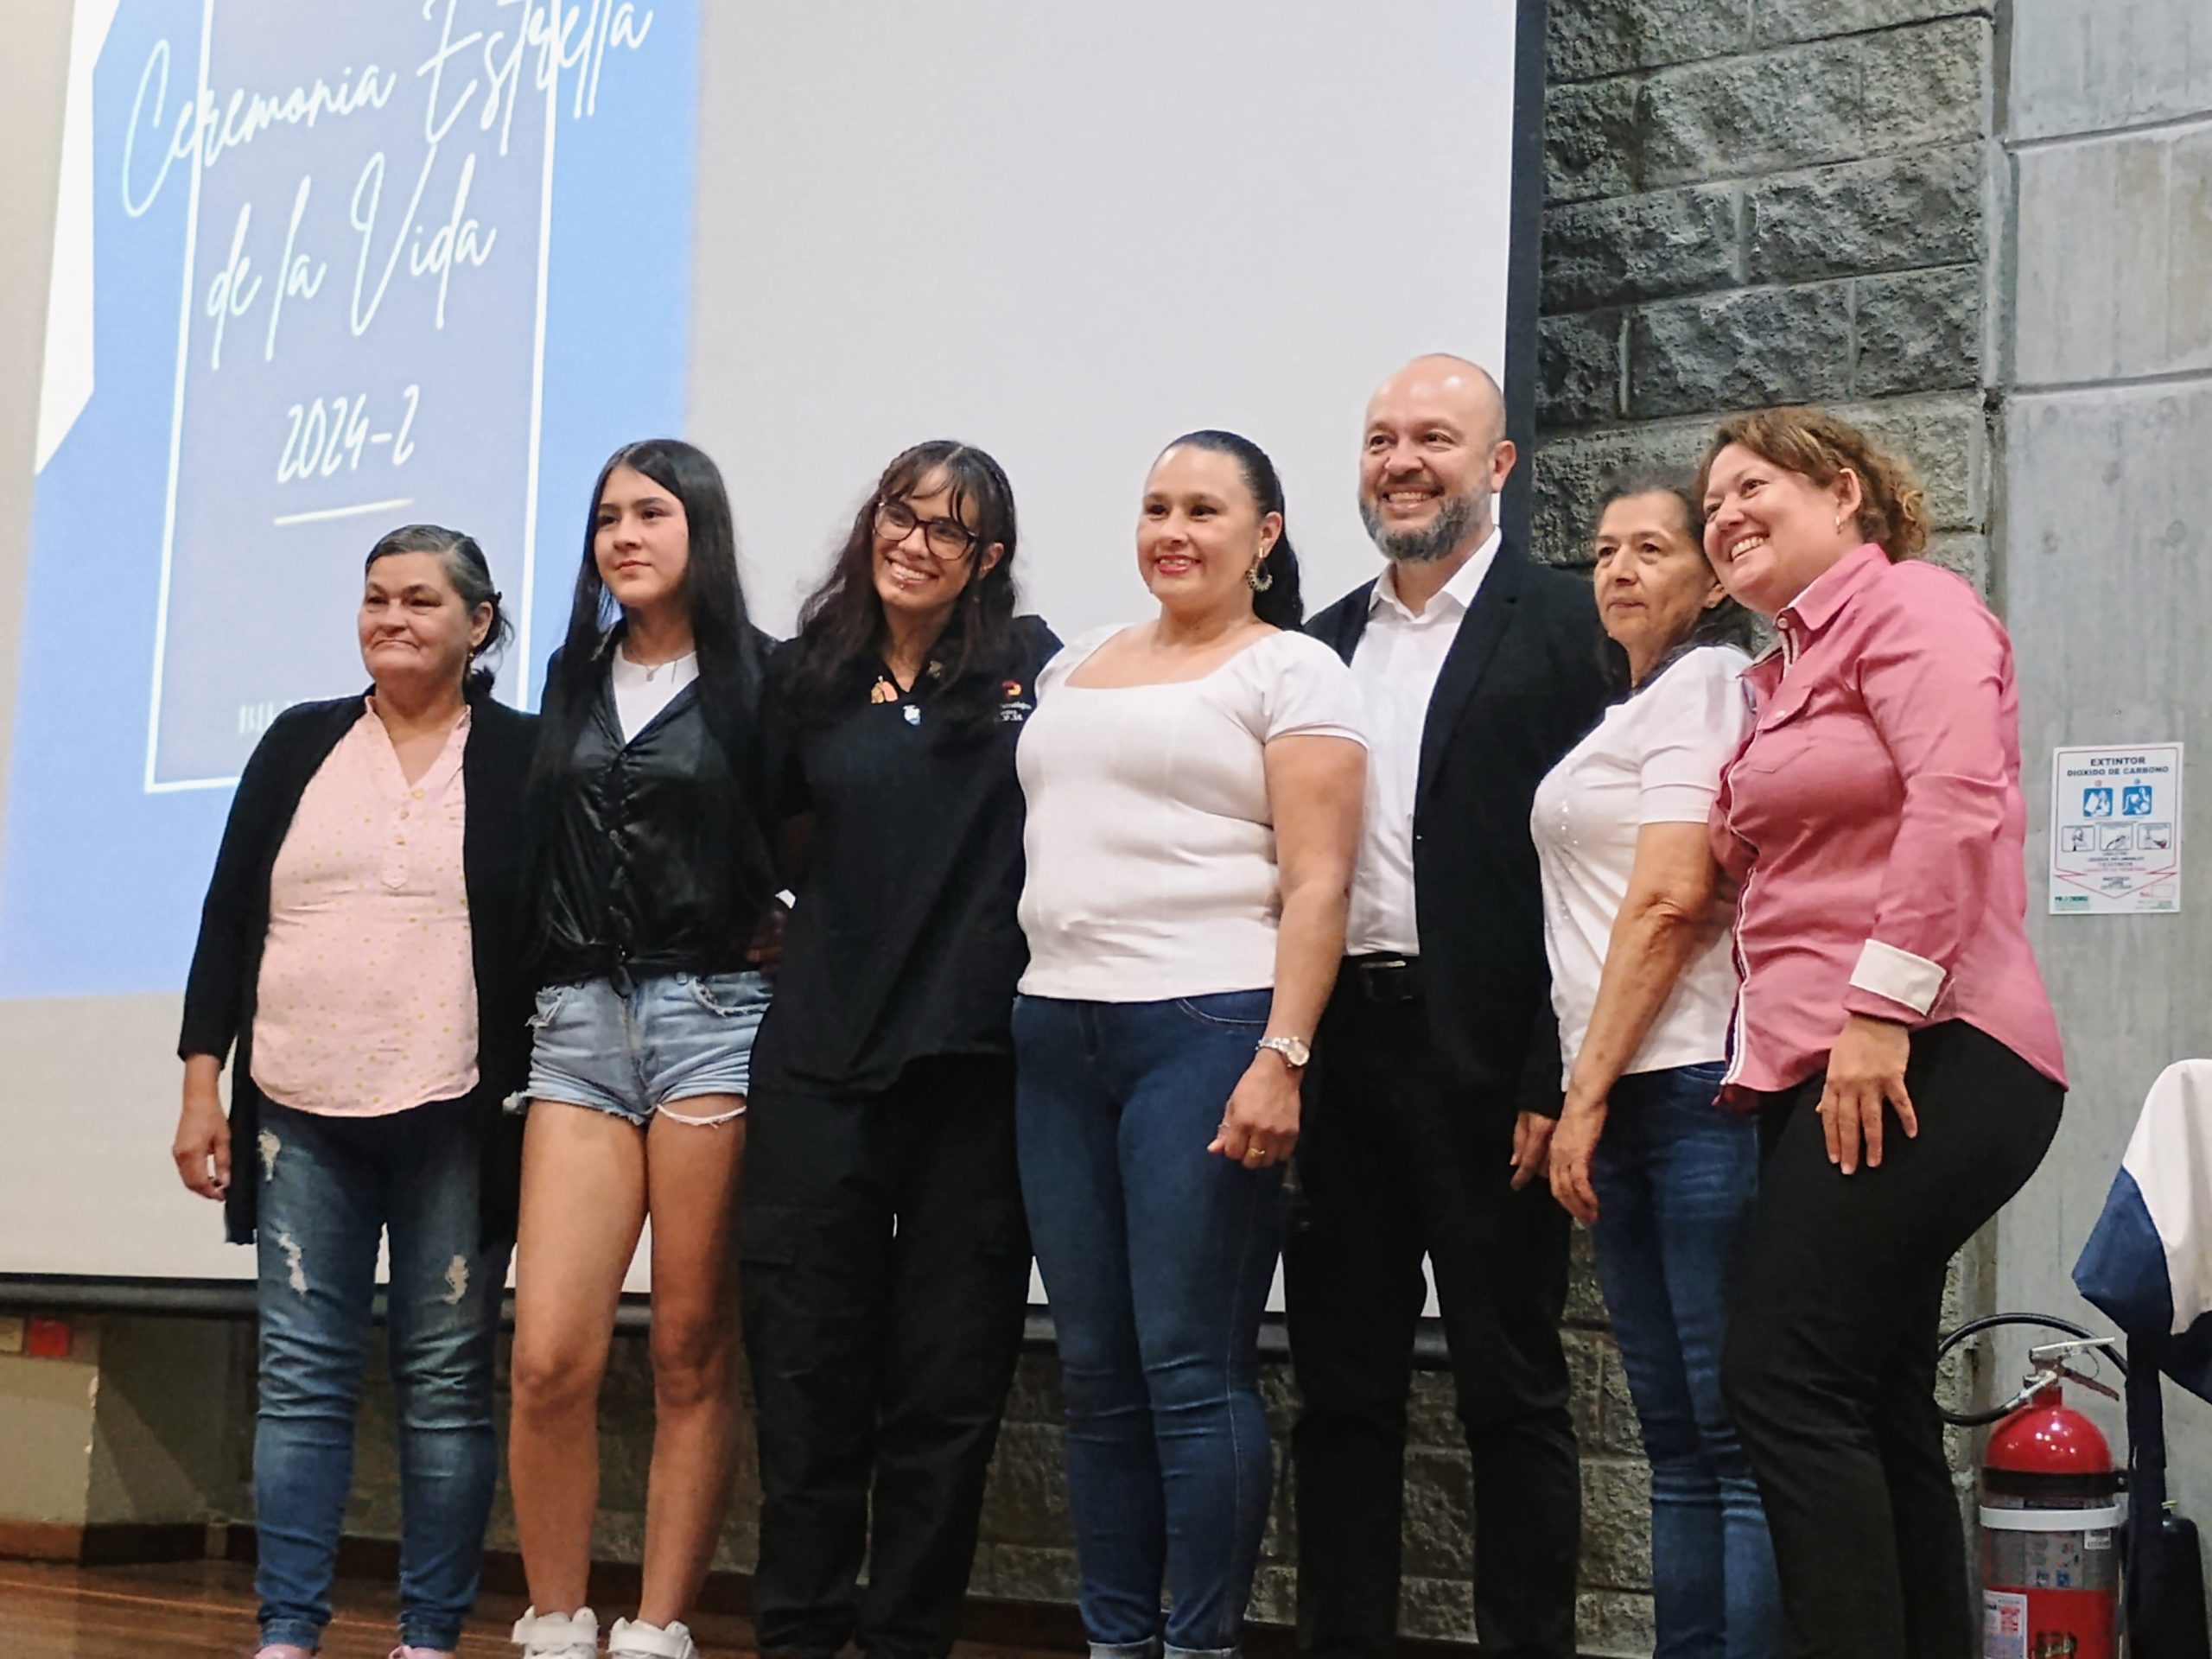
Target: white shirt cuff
(1897, 975)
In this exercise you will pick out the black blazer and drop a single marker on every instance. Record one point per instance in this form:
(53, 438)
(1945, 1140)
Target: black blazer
(219, 995)
(1523, 683)
(652, 856)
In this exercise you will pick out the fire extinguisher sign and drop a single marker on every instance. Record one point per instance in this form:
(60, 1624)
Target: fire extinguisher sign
(2115, 831)
(2004, 1624)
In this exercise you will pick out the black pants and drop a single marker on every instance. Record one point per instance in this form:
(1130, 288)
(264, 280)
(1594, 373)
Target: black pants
(886, 1271)
(1395, 1163)
(1830, 1366)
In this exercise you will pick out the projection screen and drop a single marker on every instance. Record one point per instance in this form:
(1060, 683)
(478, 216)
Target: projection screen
(309, 271)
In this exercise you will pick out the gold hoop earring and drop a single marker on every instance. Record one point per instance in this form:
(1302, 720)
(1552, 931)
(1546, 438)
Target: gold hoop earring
(1839, 521)
(1259, 578)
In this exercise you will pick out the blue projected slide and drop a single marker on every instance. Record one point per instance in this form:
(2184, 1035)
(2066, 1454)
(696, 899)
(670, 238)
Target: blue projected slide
(319, 270)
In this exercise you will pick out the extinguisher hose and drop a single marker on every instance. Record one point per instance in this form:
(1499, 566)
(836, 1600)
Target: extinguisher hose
(2111, 1346)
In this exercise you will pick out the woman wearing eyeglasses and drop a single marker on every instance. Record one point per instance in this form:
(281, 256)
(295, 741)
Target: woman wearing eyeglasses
(886, 1265)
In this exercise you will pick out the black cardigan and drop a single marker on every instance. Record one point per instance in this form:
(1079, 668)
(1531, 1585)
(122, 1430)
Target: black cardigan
(219, 996)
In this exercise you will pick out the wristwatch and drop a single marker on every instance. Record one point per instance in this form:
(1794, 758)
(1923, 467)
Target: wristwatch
(1293, 1050)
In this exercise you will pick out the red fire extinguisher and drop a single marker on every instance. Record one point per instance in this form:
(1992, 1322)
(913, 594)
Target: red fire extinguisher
(2051, 1532)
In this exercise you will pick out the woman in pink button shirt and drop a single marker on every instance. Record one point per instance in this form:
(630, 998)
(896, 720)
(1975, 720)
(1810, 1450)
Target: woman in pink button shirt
(1893, 1030)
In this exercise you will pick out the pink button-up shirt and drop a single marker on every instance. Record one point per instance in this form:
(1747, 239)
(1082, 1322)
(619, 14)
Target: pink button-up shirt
(366, 1002)
(1875, 820)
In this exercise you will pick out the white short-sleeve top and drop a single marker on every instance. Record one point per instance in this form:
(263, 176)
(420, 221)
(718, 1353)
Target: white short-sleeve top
(1654, 758)
(1150, 845)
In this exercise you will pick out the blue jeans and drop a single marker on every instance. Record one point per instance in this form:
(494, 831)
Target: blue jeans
(1157, 1255)
(647, 1045)
(330, 1186)
(1675, 1177)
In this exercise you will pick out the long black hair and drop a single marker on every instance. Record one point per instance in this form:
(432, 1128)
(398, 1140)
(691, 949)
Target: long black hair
(840, 627)
(1279, 603)
(1725, 624)
(723, 633)
(471, 576)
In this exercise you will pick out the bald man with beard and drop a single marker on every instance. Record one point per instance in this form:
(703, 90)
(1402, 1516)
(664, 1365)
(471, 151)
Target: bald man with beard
(1437, 1068)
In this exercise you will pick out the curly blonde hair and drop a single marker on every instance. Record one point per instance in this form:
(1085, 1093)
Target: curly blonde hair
(1815, 445)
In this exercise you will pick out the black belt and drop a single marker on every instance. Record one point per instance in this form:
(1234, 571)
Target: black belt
(1382, 979)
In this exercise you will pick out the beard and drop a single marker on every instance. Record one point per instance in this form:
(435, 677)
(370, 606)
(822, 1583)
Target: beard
(1456, 515)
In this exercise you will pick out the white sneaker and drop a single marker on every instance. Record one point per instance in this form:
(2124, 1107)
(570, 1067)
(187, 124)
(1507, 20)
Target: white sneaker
(632, 1639)
(558, 1635)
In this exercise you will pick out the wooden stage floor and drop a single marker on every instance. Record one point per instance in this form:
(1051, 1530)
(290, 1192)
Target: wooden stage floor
(201, 1610)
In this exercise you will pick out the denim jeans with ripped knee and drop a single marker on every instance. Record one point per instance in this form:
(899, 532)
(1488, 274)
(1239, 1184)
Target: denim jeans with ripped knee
(331, 1188)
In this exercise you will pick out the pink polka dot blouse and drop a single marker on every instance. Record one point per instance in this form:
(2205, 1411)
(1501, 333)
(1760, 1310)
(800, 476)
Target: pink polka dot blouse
(367, 997)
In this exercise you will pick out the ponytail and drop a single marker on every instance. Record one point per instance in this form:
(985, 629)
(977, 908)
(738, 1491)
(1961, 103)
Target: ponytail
(1279, 604)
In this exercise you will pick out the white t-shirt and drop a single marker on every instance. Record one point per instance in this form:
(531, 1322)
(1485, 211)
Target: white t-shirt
(1150, 846)
(1654, 758)
(641, 693)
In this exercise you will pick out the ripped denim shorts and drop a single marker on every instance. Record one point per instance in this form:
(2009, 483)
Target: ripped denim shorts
(647, 1048)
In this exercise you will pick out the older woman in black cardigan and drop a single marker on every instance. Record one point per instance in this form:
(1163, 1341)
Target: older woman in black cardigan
(358, 950)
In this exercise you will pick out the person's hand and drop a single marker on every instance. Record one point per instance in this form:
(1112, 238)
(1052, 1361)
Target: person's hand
(1261, 1125)
(1573, 1146)
(1532, 1141)
(1866, 1069)
(202, 1147)
(766, 953)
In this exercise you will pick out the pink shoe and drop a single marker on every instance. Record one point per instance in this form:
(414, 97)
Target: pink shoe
(422, 1653)
(283, 1650)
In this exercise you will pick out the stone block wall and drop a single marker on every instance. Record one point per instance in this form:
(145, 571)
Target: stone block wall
(1759, 201)
(1026, 1551)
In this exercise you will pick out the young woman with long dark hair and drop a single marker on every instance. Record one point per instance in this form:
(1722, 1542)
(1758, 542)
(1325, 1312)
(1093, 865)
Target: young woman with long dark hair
(651, 873)
(886, 1268)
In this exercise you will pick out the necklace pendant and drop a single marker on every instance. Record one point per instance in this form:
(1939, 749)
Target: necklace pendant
(883, 690)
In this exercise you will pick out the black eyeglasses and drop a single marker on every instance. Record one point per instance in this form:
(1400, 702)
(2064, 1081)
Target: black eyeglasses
(947, 538)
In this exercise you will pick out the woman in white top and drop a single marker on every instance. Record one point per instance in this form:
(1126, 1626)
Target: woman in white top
(1644, 988)
(1194, 785)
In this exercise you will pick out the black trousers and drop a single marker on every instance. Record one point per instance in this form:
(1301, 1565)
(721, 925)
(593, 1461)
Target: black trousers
(1830, 1365)
(885, 1277)
(1394, 1163)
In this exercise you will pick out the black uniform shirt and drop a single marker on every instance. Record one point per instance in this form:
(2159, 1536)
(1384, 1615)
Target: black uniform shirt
(904, 942)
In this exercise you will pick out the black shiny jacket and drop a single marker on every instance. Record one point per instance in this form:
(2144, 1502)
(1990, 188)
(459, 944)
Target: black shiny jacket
(652, 856)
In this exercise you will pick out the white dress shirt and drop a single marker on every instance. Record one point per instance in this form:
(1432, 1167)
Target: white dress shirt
(1396, 666)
